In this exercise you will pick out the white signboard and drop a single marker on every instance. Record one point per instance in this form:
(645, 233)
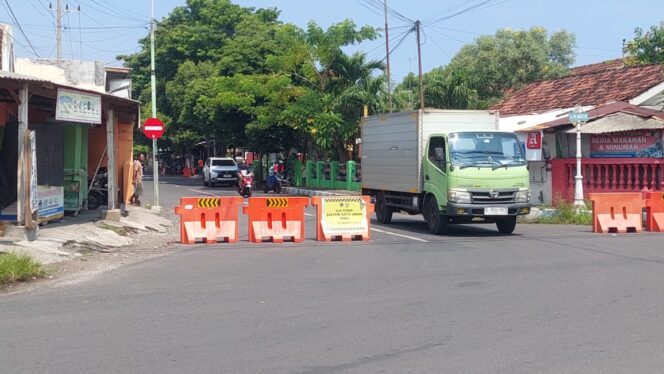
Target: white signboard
(51, 202)
(532, 148)
(76, 106)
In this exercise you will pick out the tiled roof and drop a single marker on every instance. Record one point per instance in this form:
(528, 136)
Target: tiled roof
(590, 85)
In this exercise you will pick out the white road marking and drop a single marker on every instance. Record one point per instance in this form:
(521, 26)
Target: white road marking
(399, 235)
(203, 192)
(309, 215)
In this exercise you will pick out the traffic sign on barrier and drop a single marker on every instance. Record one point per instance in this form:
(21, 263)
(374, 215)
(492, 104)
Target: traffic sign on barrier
(276, 219)
(277, 202)
(343, 218)
(208, 203)
(617, 212)
(209, 220)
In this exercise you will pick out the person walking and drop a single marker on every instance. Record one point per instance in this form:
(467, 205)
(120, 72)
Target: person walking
(138, 180)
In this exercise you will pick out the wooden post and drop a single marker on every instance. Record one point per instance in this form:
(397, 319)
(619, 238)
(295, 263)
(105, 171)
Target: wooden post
(21, 186)
(112, 169)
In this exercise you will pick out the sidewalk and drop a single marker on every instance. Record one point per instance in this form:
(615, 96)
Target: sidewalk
(304, 191)
(61, 241)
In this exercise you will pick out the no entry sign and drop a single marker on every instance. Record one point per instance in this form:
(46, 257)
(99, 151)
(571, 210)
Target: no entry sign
(153, 128)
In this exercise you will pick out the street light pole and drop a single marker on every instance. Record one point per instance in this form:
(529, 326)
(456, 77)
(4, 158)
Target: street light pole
(579, 202)
(153, 81)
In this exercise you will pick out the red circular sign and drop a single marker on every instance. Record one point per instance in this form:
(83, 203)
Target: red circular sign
(153, 128)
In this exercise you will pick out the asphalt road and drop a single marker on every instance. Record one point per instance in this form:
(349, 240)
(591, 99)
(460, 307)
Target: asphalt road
(549, 299)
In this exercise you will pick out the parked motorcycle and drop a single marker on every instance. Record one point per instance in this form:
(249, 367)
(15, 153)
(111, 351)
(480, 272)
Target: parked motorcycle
(272, 183)
(98, 193)
(245, 182)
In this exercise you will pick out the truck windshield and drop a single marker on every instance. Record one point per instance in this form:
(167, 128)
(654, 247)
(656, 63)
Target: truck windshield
(485, 149)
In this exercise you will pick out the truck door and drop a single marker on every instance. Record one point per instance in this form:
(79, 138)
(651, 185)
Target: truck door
(435, 169)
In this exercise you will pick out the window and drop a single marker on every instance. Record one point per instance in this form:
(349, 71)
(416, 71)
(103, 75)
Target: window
(436, 142)
(223, 163)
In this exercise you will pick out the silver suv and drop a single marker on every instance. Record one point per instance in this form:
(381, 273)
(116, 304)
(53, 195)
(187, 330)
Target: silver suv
(219, 170)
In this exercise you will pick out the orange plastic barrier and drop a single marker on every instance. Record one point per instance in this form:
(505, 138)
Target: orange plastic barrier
(186, 172)
(209, 220)
(617, 212)
(343, 217)
(276, 218)
(655, 211)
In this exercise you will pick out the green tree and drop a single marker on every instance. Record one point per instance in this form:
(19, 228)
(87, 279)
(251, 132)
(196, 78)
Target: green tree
(647, 47)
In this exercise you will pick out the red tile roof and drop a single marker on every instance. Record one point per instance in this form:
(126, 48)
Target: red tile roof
(600, 112)
(595, 84)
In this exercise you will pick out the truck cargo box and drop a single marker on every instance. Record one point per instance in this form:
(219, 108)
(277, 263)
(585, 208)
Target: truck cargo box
(393, 144)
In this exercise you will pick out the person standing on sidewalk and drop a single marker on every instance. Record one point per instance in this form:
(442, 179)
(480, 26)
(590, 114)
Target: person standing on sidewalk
(138, 180)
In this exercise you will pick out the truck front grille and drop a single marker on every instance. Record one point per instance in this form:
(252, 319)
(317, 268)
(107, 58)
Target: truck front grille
(503, 197)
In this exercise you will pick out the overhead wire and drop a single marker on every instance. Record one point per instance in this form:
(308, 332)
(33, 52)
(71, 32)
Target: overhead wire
(18, 24)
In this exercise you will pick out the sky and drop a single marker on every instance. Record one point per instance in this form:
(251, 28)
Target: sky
(104, 29)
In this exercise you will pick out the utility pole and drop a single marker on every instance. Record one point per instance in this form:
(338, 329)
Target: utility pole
(419, 58)
(58, 25)
(58, 29)
(387, 56)
(153, 82)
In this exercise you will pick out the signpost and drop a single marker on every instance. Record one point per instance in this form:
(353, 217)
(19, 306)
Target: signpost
(153, 128)
(578, 117)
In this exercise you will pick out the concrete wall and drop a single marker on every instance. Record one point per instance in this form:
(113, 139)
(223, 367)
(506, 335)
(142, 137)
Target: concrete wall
(88, 75)
(6, 48)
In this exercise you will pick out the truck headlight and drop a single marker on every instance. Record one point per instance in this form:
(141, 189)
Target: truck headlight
(522, 196)
(458, 196)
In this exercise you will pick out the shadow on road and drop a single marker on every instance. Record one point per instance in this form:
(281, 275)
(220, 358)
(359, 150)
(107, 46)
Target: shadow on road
(469, 230)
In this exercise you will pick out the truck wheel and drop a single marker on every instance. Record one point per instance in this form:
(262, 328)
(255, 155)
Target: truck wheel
(383, 212)
(437, 223)
(507, 225)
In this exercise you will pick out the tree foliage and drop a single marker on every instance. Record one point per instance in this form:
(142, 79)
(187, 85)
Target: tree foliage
(481, 72)
(647, 47)
(243, 78)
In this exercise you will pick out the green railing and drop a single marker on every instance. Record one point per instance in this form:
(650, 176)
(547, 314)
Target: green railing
(331, 176)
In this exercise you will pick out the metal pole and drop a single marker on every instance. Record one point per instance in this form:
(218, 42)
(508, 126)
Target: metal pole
(419, 59)
(58, 29)
(578, 185)
(387, 56)
(153, 81)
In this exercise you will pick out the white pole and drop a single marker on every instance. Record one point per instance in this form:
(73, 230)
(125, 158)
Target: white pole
(578, 185)
(153, 81)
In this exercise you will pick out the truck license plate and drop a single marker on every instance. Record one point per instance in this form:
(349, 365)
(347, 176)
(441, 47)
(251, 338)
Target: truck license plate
(495, 211)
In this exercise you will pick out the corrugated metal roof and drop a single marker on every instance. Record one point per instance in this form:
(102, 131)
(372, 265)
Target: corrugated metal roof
(30, 79)
(620, 122)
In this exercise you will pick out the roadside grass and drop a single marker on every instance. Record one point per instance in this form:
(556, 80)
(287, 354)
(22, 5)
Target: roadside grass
(566, 214)
(14, 268)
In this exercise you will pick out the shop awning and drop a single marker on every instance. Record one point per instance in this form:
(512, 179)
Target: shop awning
(620, 122)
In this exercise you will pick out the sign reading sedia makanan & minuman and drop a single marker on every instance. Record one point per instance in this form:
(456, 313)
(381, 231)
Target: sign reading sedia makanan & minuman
(74, 106)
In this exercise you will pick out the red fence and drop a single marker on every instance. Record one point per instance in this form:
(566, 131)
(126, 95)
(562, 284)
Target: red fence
(607, 175)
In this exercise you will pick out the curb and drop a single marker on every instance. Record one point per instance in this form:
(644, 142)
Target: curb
(307, 192)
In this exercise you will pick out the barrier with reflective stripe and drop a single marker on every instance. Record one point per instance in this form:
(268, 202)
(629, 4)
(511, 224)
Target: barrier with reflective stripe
(209, 220)
(276, 219)
(343, 217)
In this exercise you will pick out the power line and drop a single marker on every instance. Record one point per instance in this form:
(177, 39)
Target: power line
(469, 8)
(116, 11)
(13, 16)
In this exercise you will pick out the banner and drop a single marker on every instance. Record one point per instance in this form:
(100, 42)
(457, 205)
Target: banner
(343, 214)
(75, 106)
(629, 144)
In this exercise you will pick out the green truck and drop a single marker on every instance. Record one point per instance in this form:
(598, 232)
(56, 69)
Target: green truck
(452, 166)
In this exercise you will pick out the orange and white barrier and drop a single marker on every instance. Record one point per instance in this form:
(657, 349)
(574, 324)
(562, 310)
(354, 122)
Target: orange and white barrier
(209, 220)
(276, 219)
(617, 212)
